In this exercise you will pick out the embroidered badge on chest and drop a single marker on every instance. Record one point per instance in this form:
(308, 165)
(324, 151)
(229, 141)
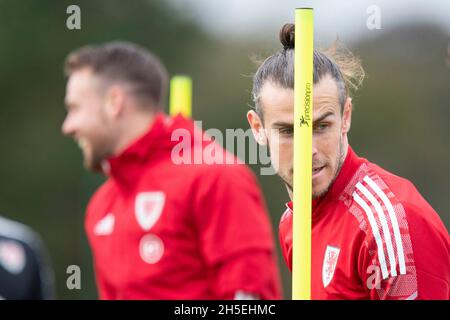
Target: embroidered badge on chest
(329, 264)
(148, 208)
(151, 248)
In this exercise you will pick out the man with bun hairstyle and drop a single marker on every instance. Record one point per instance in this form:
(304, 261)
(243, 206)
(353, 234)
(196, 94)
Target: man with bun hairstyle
(161, 228)
(373, 235)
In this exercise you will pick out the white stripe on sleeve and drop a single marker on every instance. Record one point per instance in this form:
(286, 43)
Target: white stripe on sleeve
(376, 233)
(384, 225)
(393, 217)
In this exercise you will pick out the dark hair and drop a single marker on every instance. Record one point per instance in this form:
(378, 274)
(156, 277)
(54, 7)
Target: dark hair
(336, 61)
(127, 62)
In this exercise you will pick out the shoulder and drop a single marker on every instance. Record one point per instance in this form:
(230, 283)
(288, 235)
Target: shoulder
(401, 195)
(207, 164)
(285, 237)
(106, 190)
(237, 175)
(29, 253)
(18, 231)
(233, 185)
(23, 237)
(377, 190)
(286, 218)
(383, 199)
(400, 226)
(285, 226)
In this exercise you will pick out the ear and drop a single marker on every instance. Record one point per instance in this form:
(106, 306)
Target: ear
(114, 101)
(347, 116)
(257, 127)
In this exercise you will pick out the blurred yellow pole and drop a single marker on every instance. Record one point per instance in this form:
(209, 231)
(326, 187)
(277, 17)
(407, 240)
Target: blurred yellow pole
(303, 122)
(181, 96)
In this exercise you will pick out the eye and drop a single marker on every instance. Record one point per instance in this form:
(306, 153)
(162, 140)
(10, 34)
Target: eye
(322, 126)
(287, 131)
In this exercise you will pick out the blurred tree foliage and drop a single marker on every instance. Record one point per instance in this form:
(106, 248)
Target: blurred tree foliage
(400, 116)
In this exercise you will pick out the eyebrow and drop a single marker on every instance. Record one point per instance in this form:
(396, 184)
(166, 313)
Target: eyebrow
(322, 117)
(282, 124)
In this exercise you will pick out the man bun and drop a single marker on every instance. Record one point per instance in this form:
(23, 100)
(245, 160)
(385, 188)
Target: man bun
(287, 36)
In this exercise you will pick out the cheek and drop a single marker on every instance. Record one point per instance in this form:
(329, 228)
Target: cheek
(274, 149)
(275, 155)
(281, 152)
(286, 154)
(327, 144)
(92, 122)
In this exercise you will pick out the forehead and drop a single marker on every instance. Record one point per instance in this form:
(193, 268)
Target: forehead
(278, 103)
(81, 83)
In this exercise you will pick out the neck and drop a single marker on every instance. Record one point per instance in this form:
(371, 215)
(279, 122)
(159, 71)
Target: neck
(291, 196)
(136, 126)
(344, 150)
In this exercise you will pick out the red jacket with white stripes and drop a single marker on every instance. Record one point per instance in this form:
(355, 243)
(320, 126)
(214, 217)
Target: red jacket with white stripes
(373, 237)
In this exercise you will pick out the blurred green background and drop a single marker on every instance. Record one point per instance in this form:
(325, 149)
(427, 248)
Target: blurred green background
(400, 119)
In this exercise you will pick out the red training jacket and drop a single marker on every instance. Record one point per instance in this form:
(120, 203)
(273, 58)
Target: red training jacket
(373, 237)
(162, 230)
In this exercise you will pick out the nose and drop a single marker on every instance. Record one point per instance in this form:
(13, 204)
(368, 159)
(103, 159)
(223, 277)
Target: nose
(67, 127)
(314, 148)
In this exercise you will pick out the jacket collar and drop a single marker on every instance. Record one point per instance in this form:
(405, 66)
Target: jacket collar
(126, 168)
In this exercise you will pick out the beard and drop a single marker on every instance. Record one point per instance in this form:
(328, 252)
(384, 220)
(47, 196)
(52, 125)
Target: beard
(93, 163)
(93, 155)
(288, 181)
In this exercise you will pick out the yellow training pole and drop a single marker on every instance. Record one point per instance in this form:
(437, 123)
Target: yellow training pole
(303, 122)
(181, 96)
